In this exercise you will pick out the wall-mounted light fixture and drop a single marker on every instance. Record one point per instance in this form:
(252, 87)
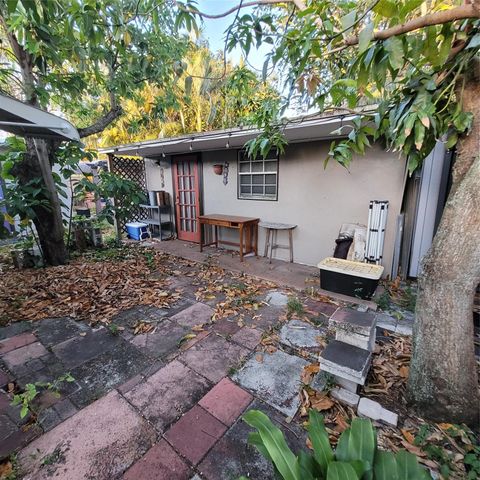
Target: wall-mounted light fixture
(227, 145)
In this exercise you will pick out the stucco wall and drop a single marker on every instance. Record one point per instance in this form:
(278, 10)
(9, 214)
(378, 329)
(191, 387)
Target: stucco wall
(318, 200)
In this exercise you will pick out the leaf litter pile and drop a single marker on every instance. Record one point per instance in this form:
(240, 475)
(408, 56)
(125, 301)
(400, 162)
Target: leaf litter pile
(97, 286)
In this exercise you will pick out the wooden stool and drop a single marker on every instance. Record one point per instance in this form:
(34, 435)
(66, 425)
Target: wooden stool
(271, 237)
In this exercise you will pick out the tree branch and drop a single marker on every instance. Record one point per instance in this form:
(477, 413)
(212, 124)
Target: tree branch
(102, 123)
(298, 3)
(438, 18)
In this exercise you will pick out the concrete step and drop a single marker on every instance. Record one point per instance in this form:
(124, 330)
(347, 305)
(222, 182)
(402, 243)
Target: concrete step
(354, 327)
(347, 362)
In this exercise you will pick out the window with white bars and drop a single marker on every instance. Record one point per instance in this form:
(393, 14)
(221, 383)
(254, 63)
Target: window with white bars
(258, 178)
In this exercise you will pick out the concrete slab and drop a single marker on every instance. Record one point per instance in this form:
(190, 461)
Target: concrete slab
(276, 380)
(197, 314)
(348, 320)
(371, 409)
(161, 462)
(346, 361)
(386, 321)
(276, 298)
(100, 442)
(168, 393)
(345, 396)
(78, 350)
(226, 401)
(195, 433)
(162, 341)
(213, 357)
(52, 331)
(300, 335)
(226, 326)
(319, 309)
(106, 371)
(232, 456)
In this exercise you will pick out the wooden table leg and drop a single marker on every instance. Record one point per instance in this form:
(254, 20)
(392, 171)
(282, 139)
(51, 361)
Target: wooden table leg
(272, 243)
(290, 241)
(255, 233)
(216, 236)
(248, 238)
(241, 242)
(267, 237)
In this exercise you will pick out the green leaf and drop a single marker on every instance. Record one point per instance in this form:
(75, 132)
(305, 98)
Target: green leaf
(386, 8)
(364, 37)
(341, 471)
(347, 21)
(309, 468)
(394, 47)
(255, 439)
(319, 437)
(385, 466)
(274, 442)
(408, 467)
(24, 411)
(419, 135)
(357, 443)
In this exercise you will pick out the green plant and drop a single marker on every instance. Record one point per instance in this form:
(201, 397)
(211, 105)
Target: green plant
(356, 456)
(150, 259)
(294, 305)
(114, 329)
(32, 390)
(383, 301)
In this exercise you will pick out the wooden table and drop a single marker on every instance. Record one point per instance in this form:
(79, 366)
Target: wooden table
(247, 226)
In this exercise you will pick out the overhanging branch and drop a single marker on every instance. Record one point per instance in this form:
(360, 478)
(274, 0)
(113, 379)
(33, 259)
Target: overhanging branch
(102, 123)
(438, 18)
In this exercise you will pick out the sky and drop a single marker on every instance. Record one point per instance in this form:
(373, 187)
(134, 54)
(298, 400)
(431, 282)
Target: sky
(214, 31)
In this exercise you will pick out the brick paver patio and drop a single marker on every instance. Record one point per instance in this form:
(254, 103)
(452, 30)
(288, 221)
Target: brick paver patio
(164, 404)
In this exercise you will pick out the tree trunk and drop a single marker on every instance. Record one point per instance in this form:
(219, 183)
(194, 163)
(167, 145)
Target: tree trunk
(443, 382)
(48, 221)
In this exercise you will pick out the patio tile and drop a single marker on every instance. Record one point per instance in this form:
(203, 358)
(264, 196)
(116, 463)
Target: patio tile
(265, 318)
(226, 401)
(4, 378)
(100, 442)
(77, 350)
(248, 337)
(276, 380)
(17, 341)
(167, 394)
(147, 313)
(198, 337)
(22, 355)
(276, 298)
(104, 372)
(226, 326)
(18, 439)
(232, 456)
(213, 357)
(7, 427)
(319, 308)
(51, 331)
(65, 408)
(161, 462)
(164, 340)
(195, 433)
(197, 314)
(15, 329)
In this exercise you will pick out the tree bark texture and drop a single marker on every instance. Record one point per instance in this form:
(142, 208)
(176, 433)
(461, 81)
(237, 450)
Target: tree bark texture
(48, 221)
(443, 381)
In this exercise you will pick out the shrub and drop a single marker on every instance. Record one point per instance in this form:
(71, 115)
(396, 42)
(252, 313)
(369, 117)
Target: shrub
(356, 456)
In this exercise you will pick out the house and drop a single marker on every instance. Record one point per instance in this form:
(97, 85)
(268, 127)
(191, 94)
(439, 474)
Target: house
(291, 187)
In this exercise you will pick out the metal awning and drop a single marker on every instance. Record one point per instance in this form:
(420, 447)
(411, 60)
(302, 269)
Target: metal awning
(24, 120)
(302, 129)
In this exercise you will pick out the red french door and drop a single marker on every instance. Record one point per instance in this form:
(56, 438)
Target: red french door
(187, 197)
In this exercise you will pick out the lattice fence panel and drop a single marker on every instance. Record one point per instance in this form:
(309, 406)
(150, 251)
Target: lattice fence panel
(132, 169)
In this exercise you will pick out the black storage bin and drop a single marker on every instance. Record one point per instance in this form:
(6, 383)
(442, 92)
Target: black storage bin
(355, 279)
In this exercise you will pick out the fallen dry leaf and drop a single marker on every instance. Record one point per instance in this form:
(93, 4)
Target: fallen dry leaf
(308, 372)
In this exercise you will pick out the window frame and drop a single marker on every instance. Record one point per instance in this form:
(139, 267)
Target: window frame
(241, 155)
